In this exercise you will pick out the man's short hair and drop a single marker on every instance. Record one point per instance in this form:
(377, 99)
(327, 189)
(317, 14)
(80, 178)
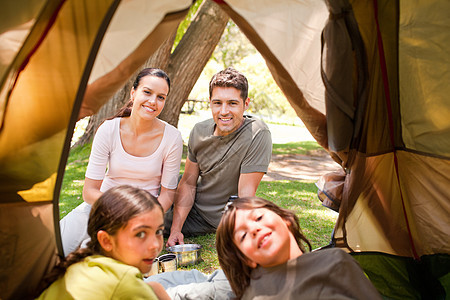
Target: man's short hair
(230, 77)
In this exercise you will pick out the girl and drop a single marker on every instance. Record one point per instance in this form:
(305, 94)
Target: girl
(126, 230)
(260, 249)
(133, 147)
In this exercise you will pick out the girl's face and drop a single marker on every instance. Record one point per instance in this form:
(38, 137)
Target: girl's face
(140, 241)
(264, 237)
(149, 97)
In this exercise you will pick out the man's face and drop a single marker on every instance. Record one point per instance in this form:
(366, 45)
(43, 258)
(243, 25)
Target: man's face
(227, 109)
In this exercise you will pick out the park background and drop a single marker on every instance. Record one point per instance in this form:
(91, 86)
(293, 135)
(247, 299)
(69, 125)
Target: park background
(297, 160)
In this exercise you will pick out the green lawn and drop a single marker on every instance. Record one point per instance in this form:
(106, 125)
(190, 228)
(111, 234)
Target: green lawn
(316, 221)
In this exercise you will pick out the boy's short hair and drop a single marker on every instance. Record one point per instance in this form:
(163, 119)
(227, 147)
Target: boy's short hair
(230, 77)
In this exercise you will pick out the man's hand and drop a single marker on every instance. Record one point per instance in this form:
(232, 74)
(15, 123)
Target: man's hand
(175, 238)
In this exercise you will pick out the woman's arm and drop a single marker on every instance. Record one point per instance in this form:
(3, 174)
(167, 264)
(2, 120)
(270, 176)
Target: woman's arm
(166, 197)
(98, 161)
(91, 190)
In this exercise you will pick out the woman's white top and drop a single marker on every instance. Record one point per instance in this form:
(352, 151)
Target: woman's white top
(110, 162)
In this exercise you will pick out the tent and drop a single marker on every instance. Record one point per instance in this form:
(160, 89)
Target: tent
(369, 79)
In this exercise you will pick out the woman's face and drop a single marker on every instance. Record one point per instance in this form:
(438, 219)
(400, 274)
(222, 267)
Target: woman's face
(264, 237)
(149, 97)
(140, 241)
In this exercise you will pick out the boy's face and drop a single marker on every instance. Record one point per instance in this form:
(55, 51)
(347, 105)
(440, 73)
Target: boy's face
(140, 241)
(227, 109)
(264, 238)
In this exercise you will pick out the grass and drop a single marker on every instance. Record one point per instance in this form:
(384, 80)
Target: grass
(72, 185)
(295, 148)
(316, 221)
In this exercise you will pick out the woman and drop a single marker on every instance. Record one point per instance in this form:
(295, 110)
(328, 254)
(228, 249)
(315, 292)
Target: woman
(133, 147)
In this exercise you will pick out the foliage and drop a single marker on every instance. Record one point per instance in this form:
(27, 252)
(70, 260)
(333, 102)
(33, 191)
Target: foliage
(233, 46)
(186, 22)
(316, 221)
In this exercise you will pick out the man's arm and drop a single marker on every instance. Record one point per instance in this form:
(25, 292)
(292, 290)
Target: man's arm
(248, 183)
(255, 164)
(184, 200)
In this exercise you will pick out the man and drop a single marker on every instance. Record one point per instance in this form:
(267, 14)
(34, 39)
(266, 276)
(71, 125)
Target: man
(227, 155)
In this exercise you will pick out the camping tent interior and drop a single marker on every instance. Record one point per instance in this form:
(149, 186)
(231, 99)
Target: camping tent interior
(368, 78)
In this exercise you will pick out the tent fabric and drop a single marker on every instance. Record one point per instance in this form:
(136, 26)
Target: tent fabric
(405, 278)
(133, 37)
(302, 86)
(61, 60)
(424, 76)
(43, 83)
(394, 196)
(383, 176)
(292, 36)
(343, 55)
(27, 248)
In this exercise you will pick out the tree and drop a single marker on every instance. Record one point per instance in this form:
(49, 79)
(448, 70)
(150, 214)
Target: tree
(192, 54)
(233, 46)
(184, 65)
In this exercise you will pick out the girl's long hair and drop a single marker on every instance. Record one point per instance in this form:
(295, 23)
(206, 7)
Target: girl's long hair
(231, 259)
(109, 213)
(125, 111)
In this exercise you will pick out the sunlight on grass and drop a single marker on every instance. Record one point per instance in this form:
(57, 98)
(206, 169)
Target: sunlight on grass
(295, 147)
(72, 185)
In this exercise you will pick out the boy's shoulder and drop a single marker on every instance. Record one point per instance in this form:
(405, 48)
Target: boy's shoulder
(330, 252)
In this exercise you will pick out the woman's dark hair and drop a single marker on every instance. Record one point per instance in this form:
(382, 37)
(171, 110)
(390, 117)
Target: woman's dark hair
(231, 259)
(125, 111)
(110, 212)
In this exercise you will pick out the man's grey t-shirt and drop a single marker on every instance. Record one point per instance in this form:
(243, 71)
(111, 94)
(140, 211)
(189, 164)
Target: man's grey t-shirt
(221, 160)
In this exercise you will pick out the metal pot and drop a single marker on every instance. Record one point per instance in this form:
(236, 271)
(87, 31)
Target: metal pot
(167, 263)
(187, 254)
(154, 270)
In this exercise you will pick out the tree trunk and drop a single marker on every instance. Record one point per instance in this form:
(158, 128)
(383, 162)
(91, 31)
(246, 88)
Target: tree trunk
(183, 66)
(191, 55)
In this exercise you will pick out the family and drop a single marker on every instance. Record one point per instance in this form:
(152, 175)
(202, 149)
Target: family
(134, 198)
